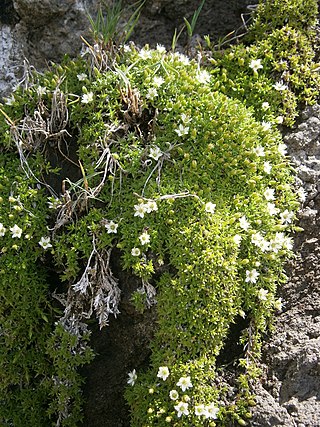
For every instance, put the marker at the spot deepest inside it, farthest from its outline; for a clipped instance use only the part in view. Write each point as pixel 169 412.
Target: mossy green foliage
pixel 25 314
pixel 288 75
pixel 275 14
pixel 191 186
pixel 191 176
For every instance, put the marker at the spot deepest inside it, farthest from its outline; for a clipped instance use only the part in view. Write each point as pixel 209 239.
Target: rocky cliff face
pixel 290 392
pixel 35 32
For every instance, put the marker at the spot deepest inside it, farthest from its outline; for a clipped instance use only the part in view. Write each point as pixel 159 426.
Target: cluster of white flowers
pixel 142 208
pixel 182 407
pixel 208 411
pixel 280 241
pixel 16 233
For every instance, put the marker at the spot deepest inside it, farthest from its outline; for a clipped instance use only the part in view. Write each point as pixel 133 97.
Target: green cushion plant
pixel 182 170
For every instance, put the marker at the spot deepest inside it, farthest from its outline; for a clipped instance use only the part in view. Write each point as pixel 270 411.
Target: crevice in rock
pixel 8 15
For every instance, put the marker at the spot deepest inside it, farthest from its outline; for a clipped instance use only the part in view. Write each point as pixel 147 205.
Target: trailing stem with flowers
pixel 141 153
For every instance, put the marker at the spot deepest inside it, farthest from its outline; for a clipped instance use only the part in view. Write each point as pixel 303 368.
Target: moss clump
pixel 276 67
pixel 171 173
pixel 275 14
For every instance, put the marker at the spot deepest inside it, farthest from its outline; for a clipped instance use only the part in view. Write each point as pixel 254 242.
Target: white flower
pixel 269 194
pixel 144 238
pixel 203 77
pixel 244 224
pixel 182 130
pixel 255 64
pixel 161 49
pixel 87 97
pixel 272 210
pixel 286 217
pixel 200 410
pixel 265 106
pixel 135 252
pixel 41 90
pixel 280 86
pixel 287 243
pixel 151 206
pixel 282 149
pixel 264 246
pixel 126 48
pixel 81 77
pixel 184 383
pixel 152 93
pixel 302 194
pixel 16 231
pixel 211 411
pixel 145 54
pixel 10 100
pixel 182 58
pixel 263 294
pixel 257 238
pixel 155 152
pixel 210 207
pixel 45 242
pixel 182 409
pixel 259 151
pixel 163 372
pixel 174 395
pixel 279 120
pixel 158 81
pixel 252 276
pixel 112 227
pixel 12 199
pixel 54 203
pixel 132 377
pixel 140 210
pixel 278 304
pixel 266 125
pixel 2 230
pixel 275 244
pixel 237 239
pixel 185 119
pixel 267 167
